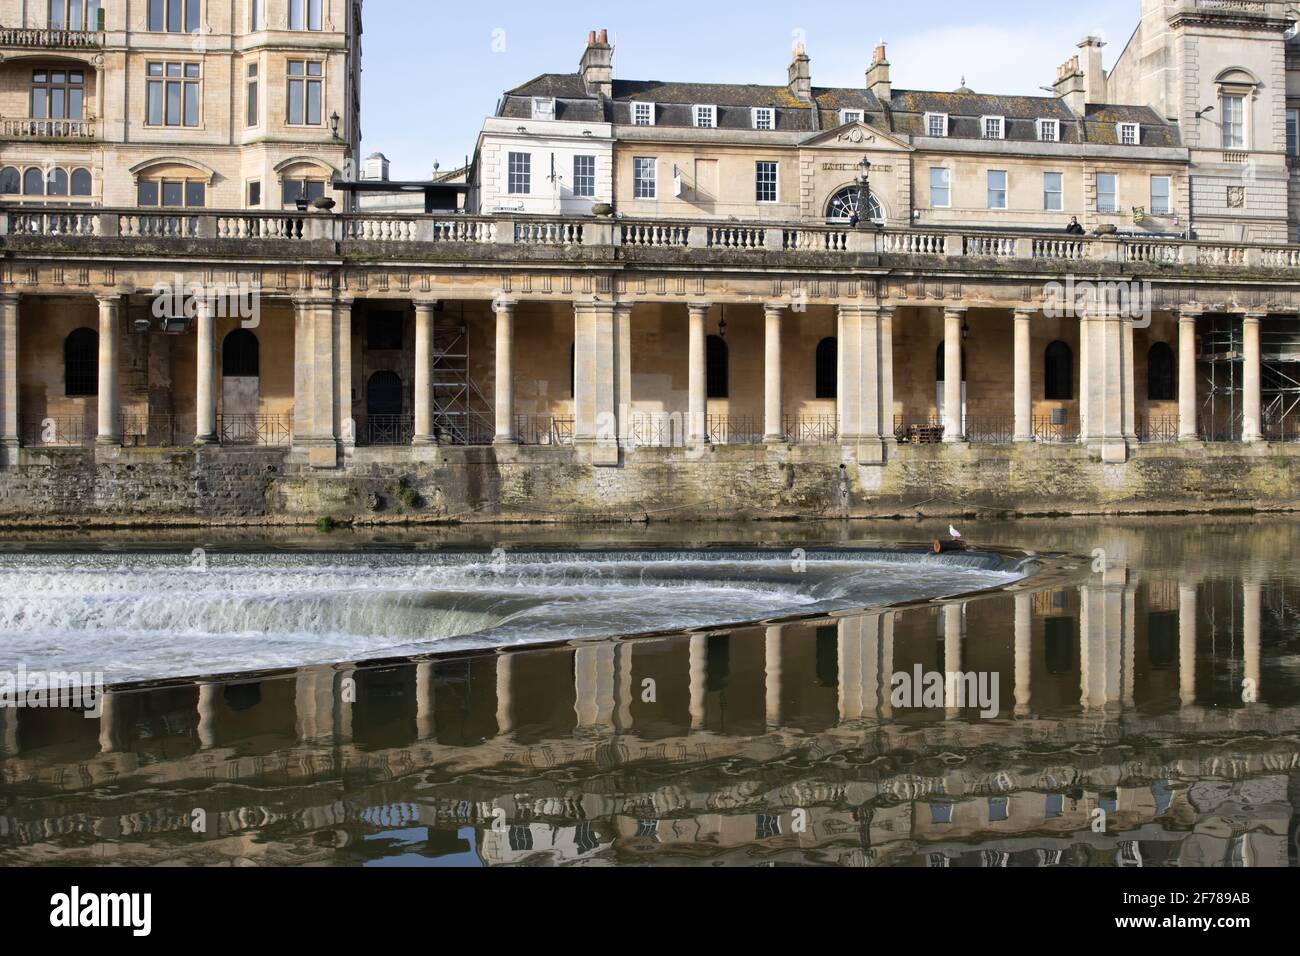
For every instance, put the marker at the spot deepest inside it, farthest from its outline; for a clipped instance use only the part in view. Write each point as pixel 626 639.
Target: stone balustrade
pixel 33 39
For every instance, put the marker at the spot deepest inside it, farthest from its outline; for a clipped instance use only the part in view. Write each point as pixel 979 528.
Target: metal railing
pixel 463 428
pixel 1159 430
pixel 255 429
pixel 995 430
pixel 734 430
pixel 812 430
pixel 156 430
pixel 1053 430
pixel 389 429
pixel 58 432
pixel 544 430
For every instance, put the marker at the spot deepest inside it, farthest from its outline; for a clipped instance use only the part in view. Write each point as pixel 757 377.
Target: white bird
pixel 956 535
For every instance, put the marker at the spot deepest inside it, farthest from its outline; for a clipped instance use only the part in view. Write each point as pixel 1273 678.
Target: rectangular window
pixel 1053 192
pixel 79 15
pixel 1293 132
pixel 936 124
pixel 302 190
pixel 644 177
pixel 850 116
pixel 993 127
pixel 643 114
pixel 305 92
pixel 765 189
pixel 543 108
pixel 172 94
pixel 1049 130
pixel 1161 195
pixel 1130 134
pixel 305 15
pixel 174 16
pixel 584 176
pixel 706 117
pixel 172 193
pixel 1107 193
pixel 256 16
pixel 997 189
pixel 58 94
pixel 1234 122
pixel 255 193
pixel 251 107
pixel 519 174
pixel 940 187
pixel 764 118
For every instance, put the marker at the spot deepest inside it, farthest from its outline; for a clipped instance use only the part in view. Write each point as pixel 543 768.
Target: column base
pixel 774 440
pixel 424 440
pixel 870 451
pixel 108 441
pixel 9 452
pixel 206 440
pixel 1114 451
pixel 1024 440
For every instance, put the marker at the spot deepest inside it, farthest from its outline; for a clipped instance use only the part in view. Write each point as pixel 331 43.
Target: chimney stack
pixel 1069 86
pixel 597 66
pixel 878 75
pixel 801 76
pixel 1094 74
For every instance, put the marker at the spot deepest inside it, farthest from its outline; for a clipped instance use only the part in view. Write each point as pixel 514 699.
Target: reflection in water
pixel 1147 715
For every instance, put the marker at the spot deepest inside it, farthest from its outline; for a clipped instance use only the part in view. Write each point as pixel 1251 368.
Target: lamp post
pixel 864 190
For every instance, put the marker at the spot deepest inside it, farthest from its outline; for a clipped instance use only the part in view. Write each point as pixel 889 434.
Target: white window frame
pixel 699 112
pixel 1059 192
pixel 643 114
pixel 760 113
pixel 652 179
pixel 1001 122
pixel 1049 124
pixel 543 107
pixel 591 159
pixel 526 173
pixel 845 114
pixel 1168 209
pixel 1228 141
pixel 775 182
pixel 1130 134
pixel 946 187
pixel 1005 189
pixel 1103 210
pixel 929 130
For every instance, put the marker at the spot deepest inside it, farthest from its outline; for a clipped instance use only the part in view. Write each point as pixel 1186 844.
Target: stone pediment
pixel 855 136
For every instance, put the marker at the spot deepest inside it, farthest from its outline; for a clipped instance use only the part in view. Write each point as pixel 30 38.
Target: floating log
pixel 943 547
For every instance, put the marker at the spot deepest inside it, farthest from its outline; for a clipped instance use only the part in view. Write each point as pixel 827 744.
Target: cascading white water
pixel 141 616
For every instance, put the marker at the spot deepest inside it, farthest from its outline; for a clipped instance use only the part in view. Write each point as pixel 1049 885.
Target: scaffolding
pixel 462 414
pixel 1222 354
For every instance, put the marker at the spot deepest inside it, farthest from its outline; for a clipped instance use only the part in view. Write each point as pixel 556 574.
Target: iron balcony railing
pixel 255 429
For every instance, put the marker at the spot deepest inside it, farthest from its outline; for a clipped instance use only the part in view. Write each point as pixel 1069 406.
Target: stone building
pixel 778 300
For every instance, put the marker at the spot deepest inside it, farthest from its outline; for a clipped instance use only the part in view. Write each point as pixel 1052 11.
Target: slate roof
pixel 904 113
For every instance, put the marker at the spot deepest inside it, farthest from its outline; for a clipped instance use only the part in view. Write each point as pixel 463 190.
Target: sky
pixel 432 72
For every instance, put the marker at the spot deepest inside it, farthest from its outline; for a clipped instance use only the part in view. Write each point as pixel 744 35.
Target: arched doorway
pixel 241 387
pixel 844 206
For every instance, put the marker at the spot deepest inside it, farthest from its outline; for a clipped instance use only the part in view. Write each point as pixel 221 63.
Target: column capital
pixel 623 308
pixel 778 307
pixel 958 311
pixel 1024 313
pixel 110 298
pixel 888 311
pixel 593 305
pixel 699 307
pixel 1255 317
pixel 9 298
pixel 429 304
pixel 501 305
pixel 1190 314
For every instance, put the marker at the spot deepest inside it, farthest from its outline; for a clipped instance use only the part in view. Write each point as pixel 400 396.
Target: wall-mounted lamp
pixel 722 323
pixel 965 330
pixel 1202 112
pixel 334 123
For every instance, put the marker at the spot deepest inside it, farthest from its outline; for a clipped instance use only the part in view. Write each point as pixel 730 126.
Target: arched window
pixel 33 182
pixel 844 206
pixel 827 368
pixel 717 368
pixel 81 363
pixel 81 182
pixel 240 355
pixel 1058 373
pixel 384 394
pixel 940 366
pixel 57 182
pixel 1160 373
pixel 11 181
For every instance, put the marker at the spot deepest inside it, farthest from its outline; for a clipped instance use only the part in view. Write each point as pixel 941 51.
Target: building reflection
pixel 778 743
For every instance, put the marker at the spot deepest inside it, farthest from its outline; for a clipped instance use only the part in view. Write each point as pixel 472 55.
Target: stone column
pixel 9 746
pixel 859 392
pixel 595 381
pixel 1024 638
pixel 316 397
pixel 207 727
pixel 699 677
pixel 109 739
pixel 887 665
pixel 1250 633
pixel 426 315
pixel 1187 375
pixel 623 687
pixel 345 426
pixel 313 704
pixel 773 395
pixel 425 724
pixel 697 401
pixel 10 424
pixel 110 415
pixel 1252 427
pixel 345 699
pixel 772 675
pixel 887 373
pixel 850 650
pixel 1085 377
pixel 1129 397
pixel 1106 394
pixel 205 386
pixel 623 370
pixel 1023 376
pixel 954 429
pixel 505 373
pixel 1187 644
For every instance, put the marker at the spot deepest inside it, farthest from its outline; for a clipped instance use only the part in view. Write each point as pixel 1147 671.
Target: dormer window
pixel 1130 134
pixel 643 114
pixel 1049 131
pixel 994 127
pixel 936 125
pixel 850 116
pixel 706 117
pixel 543 107
pixel 764 117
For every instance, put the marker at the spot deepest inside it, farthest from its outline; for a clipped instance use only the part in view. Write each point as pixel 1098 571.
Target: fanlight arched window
pixel 1058 373
pixel 717 367
pixel 81 363
pixel 384 394
pixel 11 181
pixel 827 368
pixel 1160 373
pixel 82 185
pixel 240 355
pixel 57 182
pixel 844 206
pixel 33 182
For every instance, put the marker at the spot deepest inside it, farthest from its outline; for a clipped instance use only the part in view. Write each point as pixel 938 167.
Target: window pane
pixel 313 102
pixel 57 20
pixel 81 182
pixel 156 15
pixel 295 102
pixel 314 189
pixel 191 15
pixel 147 193
pixel 191 104
pixel 33 183
pixel 155 104
pixel 195 195
pixel 57 184
pixel 173 104
pixel 174 11
pixel 10 181
pixel 173 193
pixel 252 104
pixel 58 104
pixel 314 68
pixel 76 102
pixel 295 14
pixel 314 20
pixel 40 103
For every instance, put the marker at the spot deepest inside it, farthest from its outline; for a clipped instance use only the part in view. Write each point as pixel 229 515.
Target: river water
pixel 809 694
